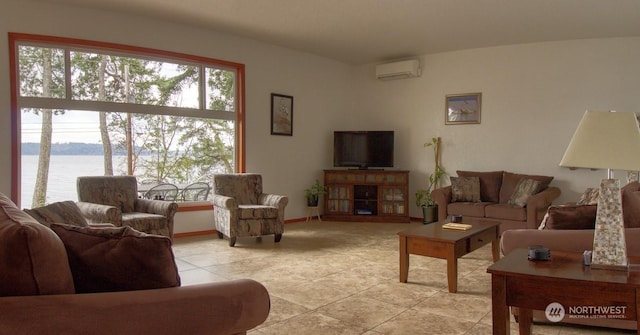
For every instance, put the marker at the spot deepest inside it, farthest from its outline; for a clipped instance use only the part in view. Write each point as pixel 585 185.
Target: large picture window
pixel 90 108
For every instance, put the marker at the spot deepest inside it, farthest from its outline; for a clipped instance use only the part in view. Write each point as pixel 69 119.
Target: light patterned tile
pixel 414 321
pixel 312 323
pixel 342 278
pixel 361 311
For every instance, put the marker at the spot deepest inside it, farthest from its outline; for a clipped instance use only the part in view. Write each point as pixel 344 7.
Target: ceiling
pixel 365 31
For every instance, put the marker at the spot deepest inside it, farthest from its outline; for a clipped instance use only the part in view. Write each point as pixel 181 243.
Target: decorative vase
pixel 429 214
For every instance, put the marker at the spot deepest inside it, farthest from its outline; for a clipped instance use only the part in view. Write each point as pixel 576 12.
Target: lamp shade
pixel 605 140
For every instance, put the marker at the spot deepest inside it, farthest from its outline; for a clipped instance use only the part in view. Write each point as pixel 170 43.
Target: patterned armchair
pixel 240 208
pixel 114 199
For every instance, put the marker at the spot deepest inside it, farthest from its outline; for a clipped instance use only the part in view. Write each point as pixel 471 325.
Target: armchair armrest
pixel 222 201
pixel 442 197
pixel 279 201
pixel 537 205
pixel 160 207
pixel 229 307
pixel 97 213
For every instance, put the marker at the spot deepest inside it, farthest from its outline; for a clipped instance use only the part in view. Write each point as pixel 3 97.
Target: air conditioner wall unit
pixel 398 70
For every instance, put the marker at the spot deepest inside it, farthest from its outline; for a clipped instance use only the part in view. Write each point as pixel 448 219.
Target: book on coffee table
pixel 456 226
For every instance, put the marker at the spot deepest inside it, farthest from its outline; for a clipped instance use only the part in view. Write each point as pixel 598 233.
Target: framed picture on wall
pixel 281 114
pixel 463 108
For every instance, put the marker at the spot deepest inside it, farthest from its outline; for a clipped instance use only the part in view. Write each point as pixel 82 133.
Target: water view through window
pixel 166 149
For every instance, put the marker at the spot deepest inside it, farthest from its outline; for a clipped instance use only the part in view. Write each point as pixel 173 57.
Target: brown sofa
pixel 496 189
pixel 41 272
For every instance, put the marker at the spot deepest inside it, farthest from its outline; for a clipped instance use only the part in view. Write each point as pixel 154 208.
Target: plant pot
pixel 429 214
pixel 312 201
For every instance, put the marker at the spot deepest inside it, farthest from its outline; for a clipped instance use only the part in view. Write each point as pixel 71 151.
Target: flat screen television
pixel 363 149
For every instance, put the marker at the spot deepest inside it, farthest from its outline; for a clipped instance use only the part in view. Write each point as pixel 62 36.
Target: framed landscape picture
pixel 281 114
pixel 463 108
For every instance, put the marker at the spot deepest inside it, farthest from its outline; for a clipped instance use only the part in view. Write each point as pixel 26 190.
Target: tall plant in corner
pixel 423 196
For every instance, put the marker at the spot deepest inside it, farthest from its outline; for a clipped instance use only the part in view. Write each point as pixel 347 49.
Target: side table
pixel 562 287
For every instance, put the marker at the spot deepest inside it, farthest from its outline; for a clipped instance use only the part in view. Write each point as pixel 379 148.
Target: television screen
pixel 363 149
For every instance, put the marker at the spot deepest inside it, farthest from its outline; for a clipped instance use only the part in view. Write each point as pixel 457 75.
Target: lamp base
pixel 609 244
pixel 610 267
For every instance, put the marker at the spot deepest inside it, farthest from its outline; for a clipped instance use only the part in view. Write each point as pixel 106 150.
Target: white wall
pixel 321 87
pixel 533 97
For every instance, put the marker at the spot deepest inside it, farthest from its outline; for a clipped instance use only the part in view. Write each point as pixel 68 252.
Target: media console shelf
pixel 366 195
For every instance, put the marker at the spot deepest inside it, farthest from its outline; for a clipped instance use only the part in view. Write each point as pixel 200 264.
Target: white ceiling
pixel 364 31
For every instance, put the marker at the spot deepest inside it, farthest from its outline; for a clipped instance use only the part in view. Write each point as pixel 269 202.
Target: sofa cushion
pixel 465 189
pixel 510 181
pixel 506 212
pixel 490 183
pixel 570 217
pixel 589 197
pixel 475 209
pixel 524 189
pixel 58 212
pixel 32 258
pixel 257 212
pixel 117 259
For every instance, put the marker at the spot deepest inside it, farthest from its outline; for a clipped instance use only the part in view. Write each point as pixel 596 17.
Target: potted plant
pixel 423 196
pixel 312 194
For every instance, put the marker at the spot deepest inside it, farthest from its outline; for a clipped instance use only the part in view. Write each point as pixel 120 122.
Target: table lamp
pixel 607 140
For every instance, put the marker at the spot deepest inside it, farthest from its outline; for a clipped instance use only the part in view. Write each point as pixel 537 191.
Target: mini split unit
pixel 398 70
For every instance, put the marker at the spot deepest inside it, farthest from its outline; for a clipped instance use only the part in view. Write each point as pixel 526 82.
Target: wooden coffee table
pixel 434 241
pixel 528 285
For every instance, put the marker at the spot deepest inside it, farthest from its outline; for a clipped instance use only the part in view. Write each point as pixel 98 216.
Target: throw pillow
pixel 117 259
pixel 524 189
pixel 510 181
pixel 465 189
pixel 570 217
pixel 543 223
pixel 32 258
pixel 589 197
pixel 58 212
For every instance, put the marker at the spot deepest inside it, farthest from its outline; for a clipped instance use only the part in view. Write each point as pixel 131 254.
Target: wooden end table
pixel 562 281
pixel 434 241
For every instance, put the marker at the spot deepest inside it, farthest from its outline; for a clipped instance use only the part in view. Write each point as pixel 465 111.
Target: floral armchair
pixel 114 199
pixel 240 208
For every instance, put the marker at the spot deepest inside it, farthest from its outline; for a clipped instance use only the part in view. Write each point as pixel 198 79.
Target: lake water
pixel 63 172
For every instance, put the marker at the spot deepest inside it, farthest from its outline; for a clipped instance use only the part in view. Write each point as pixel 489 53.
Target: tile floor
pixel 342 278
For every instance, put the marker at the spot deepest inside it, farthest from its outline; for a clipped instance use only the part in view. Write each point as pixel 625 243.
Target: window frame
pixel 16 39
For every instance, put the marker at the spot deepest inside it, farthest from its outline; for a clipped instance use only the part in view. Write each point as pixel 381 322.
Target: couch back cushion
pixel 510 181
pixel 118 259
pixel 490 183
pixel 117 191
pixel 33 260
